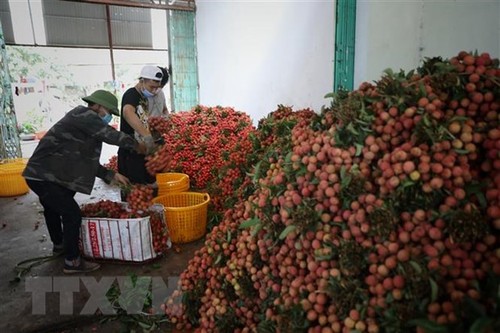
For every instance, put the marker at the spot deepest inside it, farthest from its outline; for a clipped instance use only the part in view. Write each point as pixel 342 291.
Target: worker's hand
pixel 141 148
pixel 150 144
pixel 121 179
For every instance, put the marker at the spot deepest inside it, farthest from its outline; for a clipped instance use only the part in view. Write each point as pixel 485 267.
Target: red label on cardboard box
pixel 94 241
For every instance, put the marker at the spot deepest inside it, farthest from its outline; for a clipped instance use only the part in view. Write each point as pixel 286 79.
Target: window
pixel 82 24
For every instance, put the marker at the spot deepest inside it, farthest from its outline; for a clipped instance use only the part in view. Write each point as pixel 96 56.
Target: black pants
pixel 133 166
pixel 62 213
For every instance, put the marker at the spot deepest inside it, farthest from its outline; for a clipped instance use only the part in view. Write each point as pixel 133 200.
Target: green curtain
pixel 345 36
pixel 183 60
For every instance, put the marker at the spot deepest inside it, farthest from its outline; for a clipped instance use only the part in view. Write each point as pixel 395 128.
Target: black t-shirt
pixel 131 164
pixel 134 98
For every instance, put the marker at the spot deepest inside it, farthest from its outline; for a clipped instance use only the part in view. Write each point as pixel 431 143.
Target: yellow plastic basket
pixel 186 215
pixel 11 181
pixel 172 182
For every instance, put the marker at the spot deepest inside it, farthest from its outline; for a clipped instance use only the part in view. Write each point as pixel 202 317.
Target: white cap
pixel 152 73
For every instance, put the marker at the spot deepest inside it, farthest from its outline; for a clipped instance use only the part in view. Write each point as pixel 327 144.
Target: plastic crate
pixel 186 215
pixel 172 182
pixel 12 183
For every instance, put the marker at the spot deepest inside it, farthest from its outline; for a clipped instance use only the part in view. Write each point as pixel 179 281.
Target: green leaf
pixel 477 189
pixel 416 267
pixel 428 325
pixel 426 121
pixel 474 307
pixel 256 172
pixel 359 149
pixel 286 231
pixel 430 134
pixel 422 89
pixel 256 230
pixel 388 71
pixel 324 257
pixel 458 118
pixel 434 290
pixel 345 178
pixel 475 284
pixel 482 199
pixel 351 129
pixel 461 151
pixel 407 183
pixel 144 325
pixel 249 223
pixel 480 325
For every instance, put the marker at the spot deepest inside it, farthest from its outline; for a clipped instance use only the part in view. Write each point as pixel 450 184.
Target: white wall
pixel 399 34
pixel 254 55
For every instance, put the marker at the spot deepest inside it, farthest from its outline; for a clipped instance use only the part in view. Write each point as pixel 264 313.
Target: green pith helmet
pixel 104 98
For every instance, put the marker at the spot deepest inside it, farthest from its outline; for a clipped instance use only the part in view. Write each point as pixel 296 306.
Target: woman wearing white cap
pixel 157 104
pixel 134 121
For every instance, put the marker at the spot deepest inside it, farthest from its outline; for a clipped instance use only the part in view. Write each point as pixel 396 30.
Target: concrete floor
pixel 23 235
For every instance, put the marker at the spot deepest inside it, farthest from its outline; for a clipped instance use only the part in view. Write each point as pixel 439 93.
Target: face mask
pixel 147 93
pixel 107 118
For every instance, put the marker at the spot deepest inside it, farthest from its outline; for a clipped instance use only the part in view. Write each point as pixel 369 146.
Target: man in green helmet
pixel 66 161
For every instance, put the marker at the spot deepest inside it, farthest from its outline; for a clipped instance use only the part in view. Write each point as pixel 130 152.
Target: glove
pixel 157 137
pixel 150 144
pixel 155 134
pixel 160 141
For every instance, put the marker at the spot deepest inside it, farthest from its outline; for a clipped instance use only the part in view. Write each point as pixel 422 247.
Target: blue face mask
pixel 146 93
pixel 107 118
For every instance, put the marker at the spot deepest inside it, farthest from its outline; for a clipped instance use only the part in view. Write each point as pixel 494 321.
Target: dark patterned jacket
pixel 69 153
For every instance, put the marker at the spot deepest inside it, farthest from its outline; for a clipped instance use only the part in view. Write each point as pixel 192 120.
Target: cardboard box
pixel 120 239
